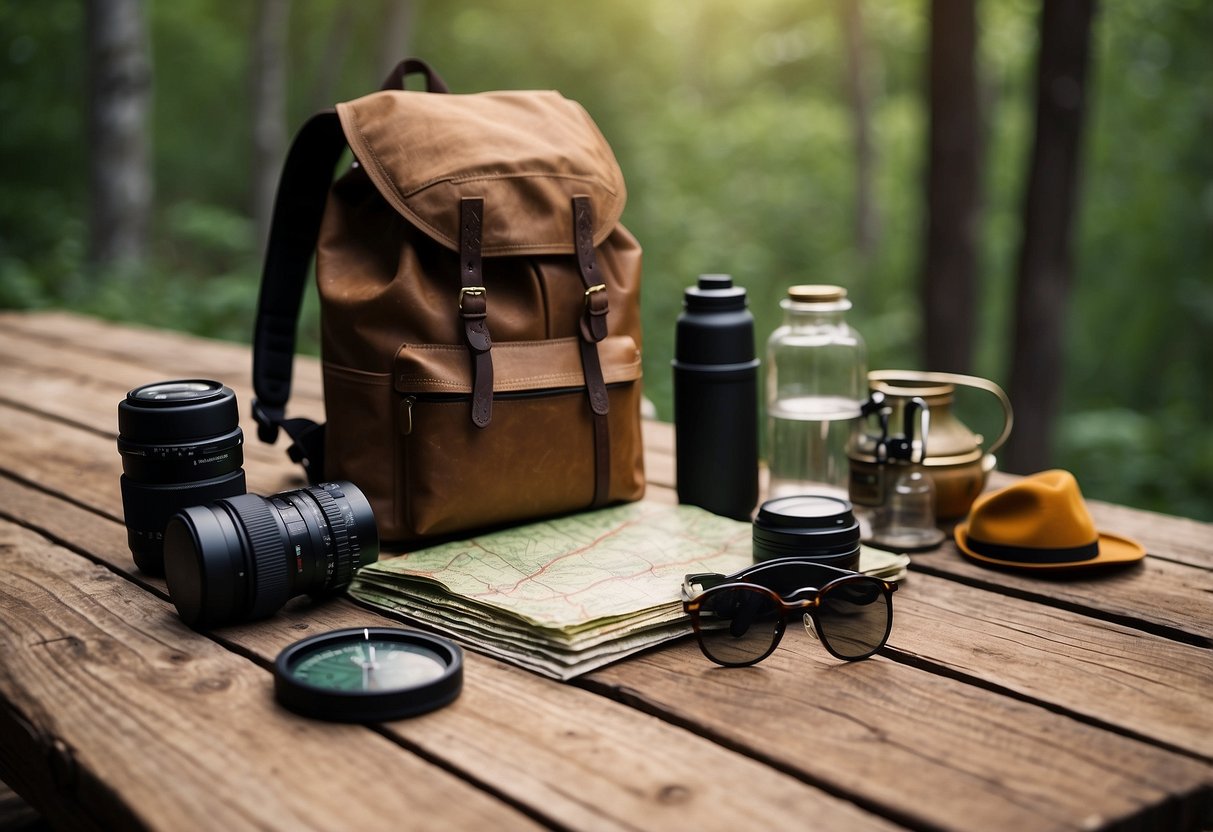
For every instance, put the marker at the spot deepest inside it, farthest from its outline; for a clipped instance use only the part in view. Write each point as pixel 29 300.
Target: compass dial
pixel 377 664
pixel 368 674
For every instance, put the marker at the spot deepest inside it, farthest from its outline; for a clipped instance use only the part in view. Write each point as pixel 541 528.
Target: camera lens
pixel 807 526
pixel 243 557
pixel 181 445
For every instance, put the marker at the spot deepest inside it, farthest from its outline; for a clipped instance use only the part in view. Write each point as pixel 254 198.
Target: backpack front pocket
pixel 536 457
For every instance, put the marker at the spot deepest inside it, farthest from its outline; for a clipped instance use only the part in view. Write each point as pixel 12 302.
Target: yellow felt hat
pixel 1040 522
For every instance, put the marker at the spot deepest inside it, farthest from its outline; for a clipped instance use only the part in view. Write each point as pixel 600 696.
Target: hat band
pixel 1032 554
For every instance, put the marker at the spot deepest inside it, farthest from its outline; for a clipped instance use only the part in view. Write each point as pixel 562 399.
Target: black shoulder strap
pixel 298 209
pixel 303 189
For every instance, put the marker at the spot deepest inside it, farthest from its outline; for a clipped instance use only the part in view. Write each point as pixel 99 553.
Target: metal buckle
pixel 600 287
pixel 470 290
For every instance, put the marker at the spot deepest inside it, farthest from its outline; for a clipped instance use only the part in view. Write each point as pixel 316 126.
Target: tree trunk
pixel 948 280
pixel 396 35
pixel 119 102
pixel 268 98
pixel 867 226
pixel 1045 268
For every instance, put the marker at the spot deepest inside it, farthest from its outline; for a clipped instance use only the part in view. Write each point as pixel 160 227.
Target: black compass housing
pixel 380 704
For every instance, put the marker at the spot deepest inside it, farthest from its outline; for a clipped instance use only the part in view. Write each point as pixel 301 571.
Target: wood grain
pixel 1157 595
pixel 806 673
pixel 170 354
pixel 1166 598
pixel 581 760
pixel 1137 683
pixel 924 748
pixel 992 715
pixel 94 664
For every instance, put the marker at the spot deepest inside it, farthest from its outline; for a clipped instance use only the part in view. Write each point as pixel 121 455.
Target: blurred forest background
pixel 781 141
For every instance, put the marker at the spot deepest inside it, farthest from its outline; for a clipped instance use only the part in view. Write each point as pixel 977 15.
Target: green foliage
pixel 732 127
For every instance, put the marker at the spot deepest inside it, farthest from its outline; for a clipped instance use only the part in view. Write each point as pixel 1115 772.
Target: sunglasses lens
pixel 854 618
pixel 737 625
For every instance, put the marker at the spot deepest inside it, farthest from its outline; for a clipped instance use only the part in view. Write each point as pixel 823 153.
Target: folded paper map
pixel 565 596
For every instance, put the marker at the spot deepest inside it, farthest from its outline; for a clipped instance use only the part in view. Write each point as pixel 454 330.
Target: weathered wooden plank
pixel 142 721
pixel 1166 598
pixel 925 748
pixel 171 354
pixel 1157 595
pixel 818 680
pixel 1173 538
pixel 1039 589
pixel 1142 684
pixel 529 738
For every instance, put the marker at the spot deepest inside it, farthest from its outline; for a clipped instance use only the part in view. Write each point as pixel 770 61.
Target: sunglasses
pixel 740 619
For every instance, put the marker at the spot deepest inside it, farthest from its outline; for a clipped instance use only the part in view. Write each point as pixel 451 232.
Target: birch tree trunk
pixel 1045 268
pixel 119 105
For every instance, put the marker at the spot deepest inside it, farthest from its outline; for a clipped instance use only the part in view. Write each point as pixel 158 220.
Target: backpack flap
pixel 526 154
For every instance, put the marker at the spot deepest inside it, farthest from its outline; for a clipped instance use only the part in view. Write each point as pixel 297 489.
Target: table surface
pixel 1002 701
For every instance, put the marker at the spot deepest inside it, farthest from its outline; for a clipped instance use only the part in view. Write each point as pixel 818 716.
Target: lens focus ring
pixel 343 555
pixel 270 582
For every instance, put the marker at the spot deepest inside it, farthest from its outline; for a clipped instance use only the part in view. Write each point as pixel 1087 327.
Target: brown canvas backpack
pixel 480 320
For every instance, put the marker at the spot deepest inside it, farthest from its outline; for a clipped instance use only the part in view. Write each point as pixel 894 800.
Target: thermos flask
pixel 716 399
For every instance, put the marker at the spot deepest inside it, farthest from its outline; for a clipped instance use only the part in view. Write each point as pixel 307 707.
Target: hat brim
pixel 1112 549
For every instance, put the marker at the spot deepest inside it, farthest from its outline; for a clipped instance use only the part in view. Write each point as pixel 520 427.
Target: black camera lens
pixel 181 445
pixel 243 557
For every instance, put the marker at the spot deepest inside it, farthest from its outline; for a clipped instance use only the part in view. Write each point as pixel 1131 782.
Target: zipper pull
pixel 406 414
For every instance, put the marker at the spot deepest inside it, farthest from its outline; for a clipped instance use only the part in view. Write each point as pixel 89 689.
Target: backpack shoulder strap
pixel 294 230
pixel 303 190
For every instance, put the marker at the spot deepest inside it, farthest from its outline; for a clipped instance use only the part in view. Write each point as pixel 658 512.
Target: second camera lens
pixel 243 557
pixel 181 445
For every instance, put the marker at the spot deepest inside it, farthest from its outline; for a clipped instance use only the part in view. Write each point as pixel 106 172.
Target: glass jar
pixel 816 384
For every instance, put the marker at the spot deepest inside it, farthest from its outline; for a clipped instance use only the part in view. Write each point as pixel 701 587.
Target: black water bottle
pixel 716 399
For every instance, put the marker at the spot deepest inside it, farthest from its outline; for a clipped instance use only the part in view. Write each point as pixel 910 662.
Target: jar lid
pixel 816 293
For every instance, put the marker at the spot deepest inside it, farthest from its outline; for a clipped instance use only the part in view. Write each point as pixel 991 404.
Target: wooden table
pixel 1002 702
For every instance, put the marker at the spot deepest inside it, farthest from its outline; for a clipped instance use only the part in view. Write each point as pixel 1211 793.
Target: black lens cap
pixel 807 525
pixel 179 409
pixel 806 511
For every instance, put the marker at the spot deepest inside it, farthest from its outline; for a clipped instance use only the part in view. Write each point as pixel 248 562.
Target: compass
pixel 368 674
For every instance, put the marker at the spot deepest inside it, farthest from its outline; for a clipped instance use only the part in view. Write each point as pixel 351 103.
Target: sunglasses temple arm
pixel 699 582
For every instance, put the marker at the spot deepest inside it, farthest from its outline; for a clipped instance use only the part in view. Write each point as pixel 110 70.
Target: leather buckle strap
pixel 471 291
pixel 593 322
pixel 593 329
pixel 473 309
pixel 599 407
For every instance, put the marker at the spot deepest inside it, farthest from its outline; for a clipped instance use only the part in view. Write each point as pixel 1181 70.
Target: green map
pixel 566 595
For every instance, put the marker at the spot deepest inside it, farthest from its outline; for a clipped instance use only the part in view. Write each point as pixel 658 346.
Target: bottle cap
pixel 715 330
pixel 714 293
pixel 817 293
